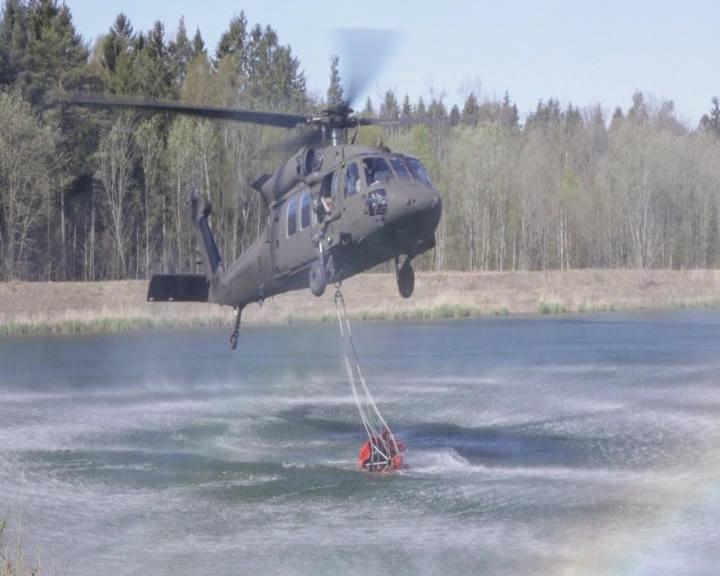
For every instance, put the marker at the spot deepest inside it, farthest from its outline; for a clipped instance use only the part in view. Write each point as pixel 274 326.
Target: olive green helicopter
pixel 334 209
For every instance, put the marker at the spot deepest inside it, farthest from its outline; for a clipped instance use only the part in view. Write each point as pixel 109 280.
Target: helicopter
pixel 335 208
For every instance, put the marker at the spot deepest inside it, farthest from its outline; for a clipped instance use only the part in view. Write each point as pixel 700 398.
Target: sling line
pixel 380 436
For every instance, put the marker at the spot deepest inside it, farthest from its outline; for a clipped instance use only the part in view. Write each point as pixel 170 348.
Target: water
pixel 578 445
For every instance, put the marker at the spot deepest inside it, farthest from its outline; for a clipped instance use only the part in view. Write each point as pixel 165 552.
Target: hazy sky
pixel 579 52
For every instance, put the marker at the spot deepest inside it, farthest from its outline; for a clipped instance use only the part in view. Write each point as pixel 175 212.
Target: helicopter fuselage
pixel 352 207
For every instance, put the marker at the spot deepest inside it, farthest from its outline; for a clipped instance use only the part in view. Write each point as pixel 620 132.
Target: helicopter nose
pixel 416 199
pixel 421 206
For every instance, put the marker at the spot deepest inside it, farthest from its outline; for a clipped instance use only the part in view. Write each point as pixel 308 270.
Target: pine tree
pixel 335 90
pixel 13 40
pixel 369 110
pixel 198 44
pixel 454 115
pixel 390 109
pixel 638 112
pixel 711 121
pixel 573 118
pixel 509 112
pixel 181 52
pixel 234 40
pixel 407 109
pixel 617 118
pixel 545 115
pixel 117 55
pixel 46 53
pixel 437 111
pixel 154 66
pixel 420 109
pixel 272 74
pixel 471 110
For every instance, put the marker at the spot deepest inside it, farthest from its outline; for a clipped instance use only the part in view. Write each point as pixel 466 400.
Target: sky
pixel 580 52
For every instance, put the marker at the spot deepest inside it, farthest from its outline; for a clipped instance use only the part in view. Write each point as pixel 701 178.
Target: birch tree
pixel 116 158
pixel 27 150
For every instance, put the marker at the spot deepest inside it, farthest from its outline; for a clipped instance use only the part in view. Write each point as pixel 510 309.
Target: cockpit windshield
pixel 400 168
pixel 418 170
pixel 376 170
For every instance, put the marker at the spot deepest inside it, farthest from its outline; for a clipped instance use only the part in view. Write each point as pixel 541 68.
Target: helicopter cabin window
pixel 400 168
pixel 418 171
pixel 305 210
pixel 352 179
pixel 292 216
pixel 376 170
pixel 335 184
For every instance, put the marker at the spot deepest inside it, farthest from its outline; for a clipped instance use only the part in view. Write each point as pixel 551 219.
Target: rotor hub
pixel 337 117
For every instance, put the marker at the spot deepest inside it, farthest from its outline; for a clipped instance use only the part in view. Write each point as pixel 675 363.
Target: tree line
pixel 90 195
pixel 572 189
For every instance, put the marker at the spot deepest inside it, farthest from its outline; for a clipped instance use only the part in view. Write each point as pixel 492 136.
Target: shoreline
pixel 45 308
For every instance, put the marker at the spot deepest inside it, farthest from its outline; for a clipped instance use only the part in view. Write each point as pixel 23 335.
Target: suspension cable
pixel 373 422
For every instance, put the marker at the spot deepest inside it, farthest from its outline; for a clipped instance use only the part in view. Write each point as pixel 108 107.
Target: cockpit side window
pixel 292 216
pixel 400 168
pixel 305 210
pixel 325 186
pixel 376 170
pixel 418 171
pixel 352 178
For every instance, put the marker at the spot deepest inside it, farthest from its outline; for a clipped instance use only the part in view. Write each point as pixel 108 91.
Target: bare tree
pixel 151 148
pixel 26 164
pixel 116 159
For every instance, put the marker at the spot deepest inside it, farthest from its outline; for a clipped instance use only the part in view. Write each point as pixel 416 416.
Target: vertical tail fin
pixel 192 287
pixel 212 262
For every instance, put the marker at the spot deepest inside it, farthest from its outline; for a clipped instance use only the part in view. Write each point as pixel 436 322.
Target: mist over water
pixel 571 445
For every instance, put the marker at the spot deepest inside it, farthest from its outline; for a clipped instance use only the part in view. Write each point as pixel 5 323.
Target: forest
pixel 94 195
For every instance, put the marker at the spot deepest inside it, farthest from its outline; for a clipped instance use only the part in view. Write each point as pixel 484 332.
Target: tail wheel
pixel 406 280
pixel 318 278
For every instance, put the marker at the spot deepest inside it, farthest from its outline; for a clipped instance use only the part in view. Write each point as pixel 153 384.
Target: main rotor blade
pixel 399 122
pixel 293 143
pixel 381 122
pixel 363 52
pixel 404 122
pixel 234 114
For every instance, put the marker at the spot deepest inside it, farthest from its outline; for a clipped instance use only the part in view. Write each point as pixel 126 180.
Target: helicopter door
pixel 354 210
pixel 283 235
pixel 305 250
pixel 292 234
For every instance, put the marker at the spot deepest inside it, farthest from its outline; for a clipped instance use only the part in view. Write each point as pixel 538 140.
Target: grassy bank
pixel 73 308
pixel 12 558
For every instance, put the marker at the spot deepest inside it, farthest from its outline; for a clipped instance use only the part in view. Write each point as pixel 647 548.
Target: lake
pixel 565 445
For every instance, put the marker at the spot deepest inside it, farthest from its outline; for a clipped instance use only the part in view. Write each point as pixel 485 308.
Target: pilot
pixel 328 205
pixel 369 175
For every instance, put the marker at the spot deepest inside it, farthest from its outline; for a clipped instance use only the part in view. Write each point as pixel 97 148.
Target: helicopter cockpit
pixel 418 170
pixel 380 169
pixel 377 170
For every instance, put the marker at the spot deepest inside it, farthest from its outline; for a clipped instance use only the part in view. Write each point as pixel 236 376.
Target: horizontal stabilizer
pixel 178 288
pixel 259 186
pixel 260 182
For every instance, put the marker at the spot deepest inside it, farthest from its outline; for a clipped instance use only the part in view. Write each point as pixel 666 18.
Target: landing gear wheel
pixel 406 280
pixel 318 278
